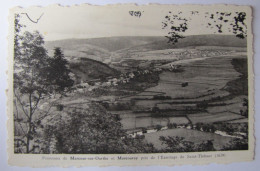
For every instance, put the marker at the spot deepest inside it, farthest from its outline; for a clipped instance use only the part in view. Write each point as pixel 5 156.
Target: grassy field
pixel 189 135
pixel 211 118
pixel 131 120
pixel 202 76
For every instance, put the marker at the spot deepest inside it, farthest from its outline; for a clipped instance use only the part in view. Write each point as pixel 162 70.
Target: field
pixel 209 98
pixel 189 135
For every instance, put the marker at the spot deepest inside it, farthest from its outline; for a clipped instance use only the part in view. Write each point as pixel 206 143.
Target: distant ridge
pixel 112 44
pixel 106 43
pixel 196 40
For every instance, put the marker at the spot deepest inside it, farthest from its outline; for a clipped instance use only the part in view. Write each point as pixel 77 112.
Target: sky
pixel 86 21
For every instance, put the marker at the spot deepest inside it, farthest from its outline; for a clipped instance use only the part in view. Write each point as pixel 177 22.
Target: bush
pixel 179 144
pixel 172 125
pixel 237 144
pixel 158 127
pixel 160 97
pixel 202 105
pixel 144 130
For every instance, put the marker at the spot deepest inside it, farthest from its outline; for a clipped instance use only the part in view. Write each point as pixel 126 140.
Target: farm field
pixel 206 79
pixel 202 76
pixel 189 135
pixel 211 118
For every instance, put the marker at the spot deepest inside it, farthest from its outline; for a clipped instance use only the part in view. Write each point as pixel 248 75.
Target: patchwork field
pixel 189 135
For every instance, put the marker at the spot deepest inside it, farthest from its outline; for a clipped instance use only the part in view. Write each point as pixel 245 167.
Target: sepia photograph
pixel 130 80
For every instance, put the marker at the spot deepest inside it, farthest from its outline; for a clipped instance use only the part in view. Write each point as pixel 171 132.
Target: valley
pixel 159 89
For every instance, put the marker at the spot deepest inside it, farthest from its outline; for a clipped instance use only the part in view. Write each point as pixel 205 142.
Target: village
pixel 157 68
pixel 113 82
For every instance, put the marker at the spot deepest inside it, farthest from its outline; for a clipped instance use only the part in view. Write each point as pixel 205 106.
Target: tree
pixel 90 130
pixel 17 37
pixel 32 83
pixel 206 146
pixel 59 73
pixel 245 104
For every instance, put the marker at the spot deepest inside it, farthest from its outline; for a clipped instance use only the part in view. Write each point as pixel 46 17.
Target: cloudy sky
pixel 87 21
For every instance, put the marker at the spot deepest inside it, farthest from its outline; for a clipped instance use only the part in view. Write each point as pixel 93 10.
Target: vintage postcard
pixel 124 85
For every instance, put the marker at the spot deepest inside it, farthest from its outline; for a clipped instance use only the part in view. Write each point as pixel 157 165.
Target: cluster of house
pixel 186 126
pixel 110 81
pixel 203 53
pixel 197 52
pixel 152 130
pixel 175 68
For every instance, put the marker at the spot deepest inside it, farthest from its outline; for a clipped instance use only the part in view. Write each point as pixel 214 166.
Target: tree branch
pixel 47 112
pixel 37 102
pixel 19 100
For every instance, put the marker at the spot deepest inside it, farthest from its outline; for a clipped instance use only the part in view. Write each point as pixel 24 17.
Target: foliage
pixel 30 80
pixel 158 127
pixel 172 125
pixel 92 131
pixel 120 106
pixel 238 86
pixel 237 144
pixel 33 81
pixel 59 71
pixel 205 127
pixel 161 97
pixel 179 144
pixel 17 37
pixel 245 104
pixel 206 146
pixel 232 128
pixel 202 105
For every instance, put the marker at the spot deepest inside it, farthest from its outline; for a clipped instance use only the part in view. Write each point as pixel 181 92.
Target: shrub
pixel 158 127
pixel 172 125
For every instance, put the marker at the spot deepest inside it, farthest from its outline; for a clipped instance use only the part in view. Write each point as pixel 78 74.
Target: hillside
pixel 102 49
pixel 109 44
pixel 88 69
pixel 196 40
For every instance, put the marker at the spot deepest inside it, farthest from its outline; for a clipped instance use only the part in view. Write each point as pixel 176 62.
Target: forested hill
pixel 88 69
